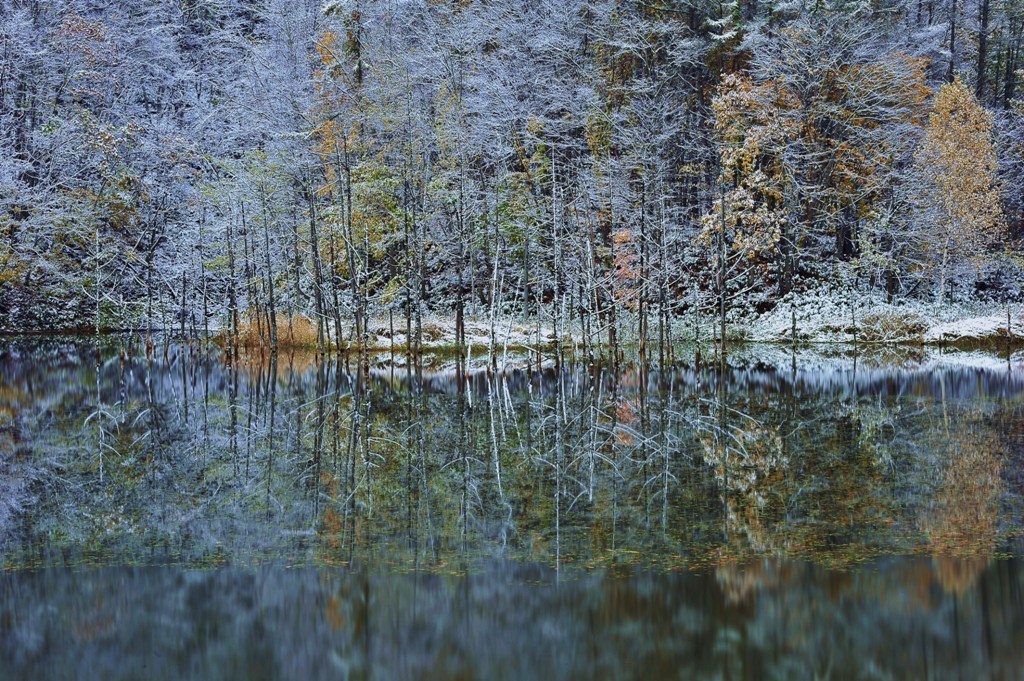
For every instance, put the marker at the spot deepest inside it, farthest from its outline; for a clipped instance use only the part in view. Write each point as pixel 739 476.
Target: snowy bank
pixel 832 316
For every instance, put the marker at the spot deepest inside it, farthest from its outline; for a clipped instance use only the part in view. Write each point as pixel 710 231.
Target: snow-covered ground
pixel 439 332
pixel 830 316
pixel 825 316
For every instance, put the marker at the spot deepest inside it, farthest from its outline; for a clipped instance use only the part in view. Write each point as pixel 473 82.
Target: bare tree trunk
pixel 318 281
pixel 183 297
pixel 232 299
pixel 721 282
pixel 272 310
pixel 983 17
pixel 202 283
pixel 297 295
pixel 950 75
pixel 249 247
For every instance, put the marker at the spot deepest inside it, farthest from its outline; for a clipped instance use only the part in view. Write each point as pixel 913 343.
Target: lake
pixel 817 515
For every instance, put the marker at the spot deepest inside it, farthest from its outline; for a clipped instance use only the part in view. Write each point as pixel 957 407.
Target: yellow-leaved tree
pixel 958 163
pixel 753 131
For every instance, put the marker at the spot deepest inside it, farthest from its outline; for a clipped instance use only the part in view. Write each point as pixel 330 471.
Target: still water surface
pixel 180 517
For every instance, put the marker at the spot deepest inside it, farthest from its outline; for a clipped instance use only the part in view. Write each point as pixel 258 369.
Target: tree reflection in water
pixel 300 518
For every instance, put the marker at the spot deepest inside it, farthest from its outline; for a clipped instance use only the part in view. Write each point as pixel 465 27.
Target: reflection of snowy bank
pixel 831 357
pixel 754 369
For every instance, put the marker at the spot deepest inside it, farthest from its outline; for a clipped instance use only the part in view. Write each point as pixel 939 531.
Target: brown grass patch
pixel 890 327
pixel 431 332
pixel 293 331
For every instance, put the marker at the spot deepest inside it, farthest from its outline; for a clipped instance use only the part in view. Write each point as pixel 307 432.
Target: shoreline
pixel 993 340
pixel 897 328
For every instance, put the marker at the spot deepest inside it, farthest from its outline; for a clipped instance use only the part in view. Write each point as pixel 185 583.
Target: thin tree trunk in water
pixel 350 249
pixel 940 294
pixel 613 337
pixel 202 282
pixel 559 267
pixel 232 299
pixel 609 272
pixel 495 293
pixel 792 312
pixel 642 322
pixel 422 285
pixel 721 282
pixel 459 315
pixel 421 272
pixel 364 304
pixel 249 247
pixel 272 311
pixel 407 263
pixel 663 328
pixel 318 283
pixel 460 303
pixel 296 305
pixel 526 281
pixel 96 275
pixel 149 304
pixel 335 302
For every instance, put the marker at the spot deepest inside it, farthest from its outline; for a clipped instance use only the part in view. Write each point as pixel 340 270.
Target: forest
pixel 306 172
pixel 305 307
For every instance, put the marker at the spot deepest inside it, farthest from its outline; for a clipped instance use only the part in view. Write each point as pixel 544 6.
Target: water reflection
pixel 770 619
pixel 777 521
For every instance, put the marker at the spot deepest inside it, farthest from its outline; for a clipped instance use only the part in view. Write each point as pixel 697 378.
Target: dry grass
pixel 293 331
pixel 432 332
pixel 891 327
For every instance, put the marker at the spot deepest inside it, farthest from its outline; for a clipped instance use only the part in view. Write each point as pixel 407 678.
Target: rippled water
pixel 800 517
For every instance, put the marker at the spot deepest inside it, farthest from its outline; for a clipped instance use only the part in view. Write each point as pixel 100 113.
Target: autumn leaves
pixel 824 142
pixel 959 164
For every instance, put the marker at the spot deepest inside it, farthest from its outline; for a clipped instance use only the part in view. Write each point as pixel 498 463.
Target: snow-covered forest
pixel 604 167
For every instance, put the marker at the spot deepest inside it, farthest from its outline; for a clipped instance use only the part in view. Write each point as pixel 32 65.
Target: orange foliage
pixel 807 143
pixel 748 116
pixel 293 331
pixel 627 276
